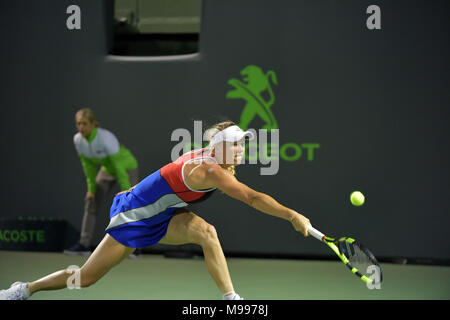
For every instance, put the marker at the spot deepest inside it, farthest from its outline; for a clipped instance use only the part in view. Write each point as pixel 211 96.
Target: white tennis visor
pixel 230 134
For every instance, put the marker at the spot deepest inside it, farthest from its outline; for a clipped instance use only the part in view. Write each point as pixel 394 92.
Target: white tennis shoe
pixel 17 291
pixel 231 296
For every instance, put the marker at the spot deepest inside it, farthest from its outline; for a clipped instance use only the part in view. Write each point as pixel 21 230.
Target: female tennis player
pixel 99 147
pixel 154 211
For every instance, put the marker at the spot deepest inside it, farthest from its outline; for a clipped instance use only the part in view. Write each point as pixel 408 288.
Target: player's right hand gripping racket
pixel 354 255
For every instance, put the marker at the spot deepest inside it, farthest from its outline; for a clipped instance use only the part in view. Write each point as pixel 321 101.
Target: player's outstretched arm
pixel 232 187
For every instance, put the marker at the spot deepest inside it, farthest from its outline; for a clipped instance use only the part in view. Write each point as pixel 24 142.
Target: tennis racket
pixel 354 255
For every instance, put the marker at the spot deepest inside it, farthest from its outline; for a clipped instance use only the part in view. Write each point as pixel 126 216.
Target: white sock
pixel 231 295
pixel 26 291
pixel 23 287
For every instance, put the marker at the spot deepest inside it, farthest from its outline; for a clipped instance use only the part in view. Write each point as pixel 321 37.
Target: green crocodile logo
pixel 254 83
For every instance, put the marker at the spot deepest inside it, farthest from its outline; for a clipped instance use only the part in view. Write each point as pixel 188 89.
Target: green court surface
pixel 154 277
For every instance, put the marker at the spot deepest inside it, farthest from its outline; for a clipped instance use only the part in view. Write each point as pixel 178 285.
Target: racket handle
pixel 315 233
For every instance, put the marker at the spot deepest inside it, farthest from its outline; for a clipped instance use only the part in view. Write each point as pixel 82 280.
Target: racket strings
pixel 359 257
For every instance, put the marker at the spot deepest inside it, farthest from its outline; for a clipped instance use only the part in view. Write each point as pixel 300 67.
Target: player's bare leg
pixel 186 227
pixel 107 254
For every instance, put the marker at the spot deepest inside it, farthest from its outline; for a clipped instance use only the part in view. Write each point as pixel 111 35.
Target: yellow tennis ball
pixel 357 198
